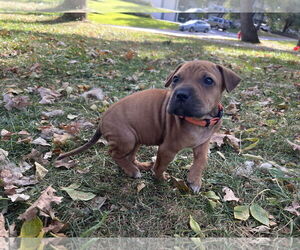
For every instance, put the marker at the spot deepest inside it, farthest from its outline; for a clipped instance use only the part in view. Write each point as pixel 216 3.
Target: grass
pixel 131 20
pixel 159 210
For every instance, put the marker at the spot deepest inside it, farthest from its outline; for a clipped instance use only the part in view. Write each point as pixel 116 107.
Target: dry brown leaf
pixel 42 205
pixel 37 156
pixel 66 163
pixel 17 102
pixel 293 208
pixel 295 146
pixel 180 184
pixel 75 127
pixel 219 139
pixel 260 229
pixel 95 93
pixel 55 226
pixel 140 186
pixel 48 96
pixel 40 141
pixel 18 197
pixel 229 195
pixel 129 55
pixel 48 131
pixel 53 113
pixel 61 139
pixel 40 171
pixel 3 231
pixel 5 134
pixel 97 202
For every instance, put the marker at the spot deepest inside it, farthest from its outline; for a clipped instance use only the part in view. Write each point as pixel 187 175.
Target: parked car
pixel 219 23
pixel 265 27
pixel 195 10
pixel 195 25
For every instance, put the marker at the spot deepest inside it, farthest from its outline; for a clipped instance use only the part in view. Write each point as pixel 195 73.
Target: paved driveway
pixel 213 34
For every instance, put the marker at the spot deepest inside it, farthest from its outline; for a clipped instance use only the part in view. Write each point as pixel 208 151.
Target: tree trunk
pixel 73 6
pixel 248 30
pixel 288 23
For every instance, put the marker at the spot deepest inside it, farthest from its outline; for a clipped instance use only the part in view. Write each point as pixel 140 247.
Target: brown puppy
pixel 186 115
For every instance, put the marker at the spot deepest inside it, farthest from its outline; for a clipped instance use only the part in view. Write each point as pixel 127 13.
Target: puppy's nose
pixel 182 95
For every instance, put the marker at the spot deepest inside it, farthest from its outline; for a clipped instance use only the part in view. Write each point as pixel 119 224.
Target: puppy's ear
pixel 230 79
pixel 170 77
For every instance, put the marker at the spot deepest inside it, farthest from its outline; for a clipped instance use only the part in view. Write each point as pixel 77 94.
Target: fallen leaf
pixel 17 102
pixel 40 141
pixel 47 155
pixel 260 229
pixel 32 228
pixel 211 195
pixel 76 126
pixel 48 96
pixel 180 184
pixel 5 134
pixel 241 212
pixel 78 195
pixel 18 197
pixel 129 55
pixel 253 157
pixel 251 146
pixel 96 93
pixel 294 145
pixel 259 214
pixel 40 171
pixel 245 170
pixel 293 208
pixel 61 139
pixel 53 113
pixel 219 139
pixel 195 227
pixel 36 156
pixel 42 205
pixel 3 154
pixel 72 117
pixel 229 195
pixel 55 226
pixel 140 186
pixel 66 163
pixel 97 202
pixel 3 231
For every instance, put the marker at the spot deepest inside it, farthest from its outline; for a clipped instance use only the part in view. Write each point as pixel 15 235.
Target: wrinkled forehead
pixel 198 68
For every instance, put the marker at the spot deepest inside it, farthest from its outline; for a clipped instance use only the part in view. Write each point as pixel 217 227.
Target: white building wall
pixel 165 4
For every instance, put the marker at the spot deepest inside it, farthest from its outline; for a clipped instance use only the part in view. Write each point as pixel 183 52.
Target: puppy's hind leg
pixel 122 150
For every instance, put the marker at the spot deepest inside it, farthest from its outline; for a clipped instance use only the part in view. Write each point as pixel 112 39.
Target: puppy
pixel 184 116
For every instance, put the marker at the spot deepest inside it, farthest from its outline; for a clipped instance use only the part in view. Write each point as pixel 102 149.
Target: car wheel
pixel 191 29
pixel 205 31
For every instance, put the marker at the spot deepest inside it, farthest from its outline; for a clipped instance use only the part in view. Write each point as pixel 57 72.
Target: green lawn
pixel 74 57
pixel 131 21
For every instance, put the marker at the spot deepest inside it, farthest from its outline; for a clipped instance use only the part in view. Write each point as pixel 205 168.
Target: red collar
pixel 206 122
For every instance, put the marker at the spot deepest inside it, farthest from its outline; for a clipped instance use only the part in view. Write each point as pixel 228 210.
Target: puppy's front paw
pixel 195 188
pixel 162 177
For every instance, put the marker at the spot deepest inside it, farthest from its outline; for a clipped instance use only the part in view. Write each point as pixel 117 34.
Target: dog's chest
pixel 195 136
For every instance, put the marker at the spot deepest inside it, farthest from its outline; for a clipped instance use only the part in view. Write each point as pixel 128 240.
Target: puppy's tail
pixel 84 147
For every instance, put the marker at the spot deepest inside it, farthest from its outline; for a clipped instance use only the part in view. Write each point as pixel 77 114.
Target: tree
pixel 248 30
pixel 77 10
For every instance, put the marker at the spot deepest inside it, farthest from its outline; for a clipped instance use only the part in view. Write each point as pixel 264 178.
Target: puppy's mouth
pixel 184 103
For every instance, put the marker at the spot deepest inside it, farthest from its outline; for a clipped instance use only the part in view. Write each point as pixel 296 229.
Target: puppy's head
pixel 197 86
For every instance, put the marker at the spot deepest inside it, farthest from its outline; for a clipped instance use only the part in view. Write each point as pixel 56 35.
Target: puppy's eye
pixel 176 79
pixel 208 81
